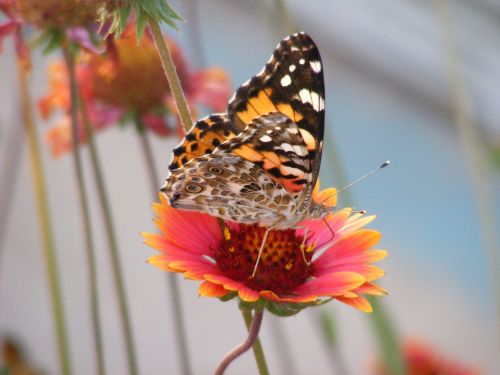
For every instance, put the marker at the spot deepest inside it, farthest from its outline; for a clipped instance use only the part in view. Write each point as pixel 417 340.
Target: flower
pixel 289 276
pixel 422 359
pixel 57 19
pixel 128 82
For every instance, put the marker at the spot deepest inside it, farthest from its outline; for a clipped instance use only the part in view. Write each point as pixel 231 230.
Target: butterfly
pixel 259 162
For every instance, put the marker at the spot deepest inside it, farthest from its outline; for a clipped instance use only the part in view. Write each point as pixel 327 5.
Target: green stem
pixel 112 244
pixel 473 150
pixel 173 285
pixel 172 77
pixel 45 223
pixel 84 208
pixel 173 80
pixel 258 352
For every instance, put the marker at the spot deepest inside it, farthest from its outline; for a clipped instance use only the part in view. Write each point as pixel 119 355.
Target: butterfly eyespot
pixel 207 175
pixel 316 213
pixel 196 179
pixel 181 178
pixel 193 188
pixel 215 170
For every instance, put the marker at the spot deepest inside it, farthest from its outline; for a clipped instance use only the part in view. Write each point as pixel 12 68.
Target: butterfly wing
pixel 256 176
pixel 202 139
pixel 291 83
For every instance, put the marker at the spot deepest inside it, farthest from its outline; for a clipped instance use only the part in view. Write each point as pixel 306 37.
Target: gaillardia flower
pixel 422 359
pixel 292 273
pixel 128 83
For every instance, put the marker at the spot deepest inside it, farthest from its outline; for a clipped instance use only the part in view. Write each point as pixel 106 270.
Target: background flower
pixel 128 83
pixel 423 359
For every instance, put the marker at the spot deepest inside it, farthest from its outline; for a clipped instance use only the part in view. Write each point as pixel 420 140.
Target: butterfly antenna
pixel 383 165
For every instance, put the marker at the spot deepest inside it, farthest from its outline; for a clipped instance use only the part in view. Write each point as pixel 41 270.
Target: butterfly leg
pixel 303 244
pixel 264 240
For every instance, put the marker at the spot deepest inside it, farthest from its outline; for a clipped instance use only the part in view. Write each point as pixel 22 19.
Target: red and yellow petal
pixel 208 289
pixel 359 303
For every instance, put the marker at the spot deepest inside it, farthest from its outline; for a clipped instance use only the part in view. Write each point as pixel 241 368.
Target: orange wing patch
pixel 203 138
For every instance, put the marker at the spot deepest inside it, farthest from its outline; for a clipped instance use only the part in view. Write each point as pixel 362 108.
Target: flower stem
pixel 173 80
pixel 84 208
pixel 257 346
pixel 45 222
pixel 176 303
pixel 253 332
pixel 172 77
pixel 112 244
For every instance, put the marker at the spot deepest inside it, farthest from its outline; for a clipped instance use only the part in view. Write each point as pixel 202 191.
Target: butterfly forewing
pixel 291 83
pixel 259 163
pixel 202 139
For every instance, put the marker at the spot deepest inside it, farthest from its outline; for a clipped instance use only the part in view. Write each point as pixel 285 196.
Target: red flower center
pixel 282 266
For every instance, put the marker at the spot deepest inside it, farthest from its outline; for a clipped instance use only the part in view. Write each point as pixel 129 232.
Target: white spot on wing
pixel 287 147
pixel 299 150
pixel 293 130
pixel 302 61
pixel 316 66
pixel 286 81
pixel 315 100
pixel 305 96
pixel 291 68
pixel 265 138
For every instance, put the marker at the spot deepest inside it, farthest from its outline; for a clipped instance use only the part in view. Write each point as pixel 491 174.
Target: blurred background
pixel 391 94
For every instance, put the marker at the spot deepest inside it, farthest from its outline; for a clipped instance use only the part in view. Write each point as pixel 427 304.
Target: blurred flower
pixel 192 243
pixel 14 360
pixel 128 82
pixel 56 19
pixel 422 359
pixel 60 14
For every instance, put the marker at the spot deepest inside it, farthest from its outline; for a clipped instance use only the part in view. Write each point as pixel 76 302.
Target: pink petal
pixel 211 88
pixel 156 124
pixel 192 231
pixel 349 245
pixel 331 284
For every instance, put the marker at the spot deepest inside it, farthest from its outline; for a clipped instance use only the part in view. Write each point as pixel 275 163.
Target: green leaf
pixel 141 19
pixel 257 305
pixel 55 41
pixel 49 40
pixel 123 15
pixel 228 297
pixel 285 309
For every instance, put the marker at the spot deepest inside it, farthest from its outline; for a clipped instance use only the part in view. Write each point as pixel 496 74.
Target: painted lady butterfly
pixel 259 163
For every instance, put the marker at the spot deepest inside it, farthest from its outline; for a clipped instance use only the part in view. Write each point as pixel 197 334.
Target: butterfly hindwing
pixel 291 83
pixel 275 144
pixel 229 187
pixel 203 137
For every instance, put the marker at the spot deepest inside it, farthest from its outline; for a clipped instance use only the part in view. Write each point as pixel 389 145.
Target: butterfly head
pixel 318 210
